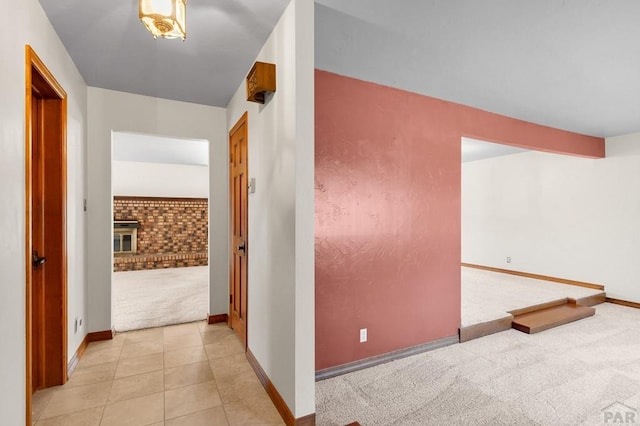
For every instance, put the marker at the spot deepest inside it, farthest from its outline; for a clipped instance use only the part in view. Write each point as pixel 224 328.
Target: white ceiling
pixel 113 50
pixel 570 64
pixel 474 150
pixel 157 149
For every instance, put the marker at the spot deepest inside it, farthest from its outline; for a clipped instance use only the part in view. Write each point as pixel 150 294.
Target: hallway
pixel 189 374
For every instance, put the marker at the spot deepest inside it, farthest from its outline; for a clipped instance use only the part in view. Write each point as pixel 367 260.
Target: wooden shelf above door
pixel 260 80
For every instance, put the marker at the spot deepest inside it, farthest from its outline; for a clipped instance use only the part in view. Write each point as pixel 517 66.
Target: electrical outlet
pixel 363 335
pixel 508 259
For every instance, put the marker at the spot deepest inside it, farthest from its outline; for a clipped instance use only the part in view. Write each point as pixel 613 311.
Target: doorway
pixel 45 234
pixel 239 228
pixel 160 204
pixel 523 213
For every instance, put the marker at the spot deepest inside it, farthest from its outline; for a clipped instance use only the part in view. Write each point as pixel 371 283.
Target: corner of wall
pixel 281 213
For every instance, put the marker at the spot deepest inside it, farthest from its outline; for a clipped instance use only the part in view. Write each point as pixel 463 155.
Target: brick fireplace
pixel 170 232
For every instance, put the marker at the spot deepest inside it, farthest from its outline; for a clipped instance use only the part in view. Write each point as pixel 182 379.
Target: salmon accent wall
pixel 387 184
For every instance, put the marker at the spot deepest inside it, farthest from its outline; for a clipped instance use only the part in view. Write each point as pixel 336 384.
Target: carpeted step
pixel 535 321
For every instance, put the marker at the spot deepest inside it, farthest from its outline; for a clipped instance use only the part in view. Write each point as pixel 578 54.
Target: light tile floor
pixel 189 374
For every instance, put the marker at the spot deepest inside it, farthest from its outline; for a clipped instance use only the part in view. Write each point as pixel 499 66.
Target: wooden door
pixel 239 221
pixel 45 239
pixel 37 244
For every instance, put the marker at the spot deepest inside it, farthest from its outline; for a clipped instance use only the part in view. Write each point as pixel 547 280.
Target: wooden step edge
pixel 581 312
pixel 594 299
pixel 539 307
pixel 589 312
pixel 570 306
pixel 521 327
pixel 486 328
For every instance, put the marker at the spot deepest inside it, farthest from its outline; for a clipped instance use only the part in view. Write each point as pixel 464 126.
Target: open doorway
pixel 160 192
pixel 520 228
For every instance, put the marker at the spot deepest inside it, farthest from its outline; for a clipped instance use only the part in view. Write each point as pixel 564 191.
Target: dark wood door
pixel 239 227
pixel 37 244
pixel 46 231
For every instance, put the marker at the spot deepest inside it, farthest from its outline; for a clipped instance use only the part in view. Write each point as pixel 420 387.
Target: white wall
pixel 124 112
pixel 555 215
pixel 24 22
pixel 281 211
pixel 135 178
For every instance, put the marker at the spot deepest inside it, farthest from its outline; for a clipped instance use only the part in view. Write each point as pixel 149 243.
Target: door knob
pixel 36 260
pixel 241 247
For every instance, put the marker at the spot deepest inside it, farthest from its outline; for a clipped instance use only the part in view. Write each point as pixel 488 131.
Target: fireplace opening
pixel 125 235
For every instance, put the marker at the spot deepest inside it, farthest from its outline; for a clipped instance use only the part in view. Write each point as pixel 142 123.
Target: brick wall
pixel 172 233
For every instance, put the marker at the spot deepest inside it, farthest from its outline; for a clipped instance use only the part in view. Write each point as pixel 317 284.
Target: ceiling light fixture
pixel 164 18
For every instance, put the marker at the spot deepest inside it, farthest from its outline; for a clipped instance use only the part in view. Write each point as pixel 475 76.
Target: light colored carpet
pixel 490 295
pixel 563 376
pixel 159 297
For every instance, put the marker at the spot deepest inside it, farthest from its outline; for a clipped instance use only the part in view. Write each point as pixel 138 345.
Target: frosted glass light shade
pixel 164 18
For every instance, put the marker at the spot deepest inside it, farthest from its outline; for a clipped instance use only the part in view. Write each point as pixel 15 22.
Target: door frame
pixel 242 121
pixel 53 100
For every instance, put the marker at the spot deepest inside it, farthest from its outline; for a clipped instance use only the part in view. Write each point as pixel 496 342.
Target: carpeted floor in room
pixel 159 297
pixel 563 376
pixel 488 295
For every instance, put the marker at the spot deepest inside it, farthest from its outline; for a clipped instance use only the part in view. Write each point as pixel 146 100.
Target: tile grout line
pixel 104 408
pixel 34 421
pixel 120 348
